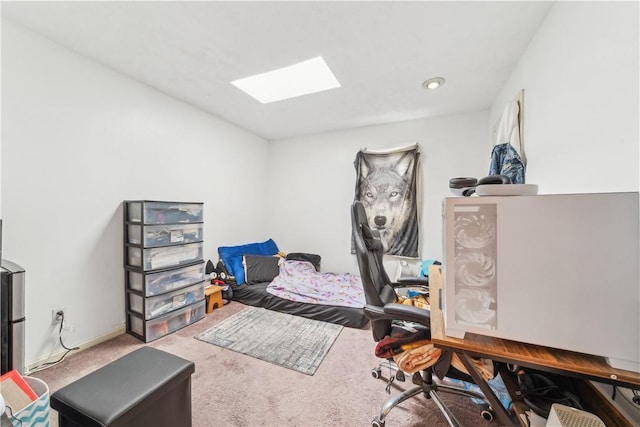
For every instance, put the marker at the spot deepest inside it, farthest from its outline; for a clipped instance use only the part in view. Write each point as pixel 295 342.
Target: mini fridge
pixel 12 318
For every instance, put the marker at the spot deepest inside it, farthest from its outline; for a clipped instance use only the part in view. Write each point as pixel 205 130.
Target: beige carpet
pixel 232 389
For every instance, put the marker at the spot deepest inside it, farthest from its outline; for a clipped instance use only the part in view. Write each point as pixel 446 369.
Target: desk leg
pixel 502 414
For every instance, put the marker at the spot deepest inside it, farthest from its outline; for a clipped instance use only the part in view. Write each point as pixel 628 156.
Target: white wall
pixel 312 182
pixel 580 76
pixel 77 139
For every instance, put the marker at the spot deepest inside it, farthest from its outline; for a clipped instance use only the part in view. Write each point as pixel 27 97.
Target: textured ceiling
pixel 381 52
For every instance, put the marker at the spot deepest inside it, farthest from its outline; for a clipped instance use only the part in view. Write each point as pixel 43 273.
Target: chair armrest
pixel 393 311
pixel 413 281
pixel 373 312
pixel 409 313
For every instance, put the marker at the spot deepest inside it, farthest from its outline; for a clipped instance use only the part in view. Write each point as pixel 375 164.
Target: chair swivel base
pixel 394 372
pixel 430 390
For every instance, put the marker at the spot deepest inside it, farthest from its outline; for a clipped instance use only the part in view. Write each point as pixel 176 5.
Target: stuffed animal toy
pixel 219 276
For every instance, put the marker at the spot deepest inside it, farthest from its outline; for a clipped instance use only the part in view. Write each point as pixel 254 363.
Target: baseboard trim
pixel 81 347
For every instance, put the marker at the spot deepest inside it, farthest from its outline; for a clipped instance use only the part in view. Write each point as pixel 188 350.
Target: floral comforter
pixel 299 281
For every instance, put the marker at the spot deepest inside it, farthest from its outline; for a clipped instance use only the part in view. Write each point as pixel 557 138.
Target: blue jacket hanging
pixel 505 157
pixel 506 161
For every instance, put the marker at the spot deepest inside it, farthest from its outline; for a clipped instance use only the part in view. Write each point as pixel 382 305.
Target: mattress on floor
pixel 257 296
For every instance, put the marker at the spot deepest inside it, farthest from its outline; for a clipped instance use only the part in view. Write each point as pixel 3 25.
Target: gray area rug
pixel 282 339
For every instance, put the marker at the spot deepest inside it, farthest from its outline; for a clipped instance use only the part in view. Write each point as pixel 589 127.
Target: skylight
pixel 303 78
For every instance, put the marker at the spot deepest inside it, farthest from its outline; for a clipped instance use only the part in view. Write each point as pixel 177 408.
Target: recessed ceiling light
pixel 303 78
pixel 433 83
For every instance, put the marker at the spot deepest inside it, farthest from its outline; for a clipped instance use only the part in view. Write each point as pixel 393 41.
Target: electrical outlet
pixel 55 317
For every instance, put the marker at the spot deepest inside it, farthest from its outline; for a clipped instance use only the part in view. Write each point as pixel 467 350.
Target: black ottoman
pixel 145 388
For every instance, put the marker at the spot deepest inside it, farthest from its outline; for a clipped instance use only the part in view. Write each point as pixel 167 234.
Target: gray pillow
pixel 260 268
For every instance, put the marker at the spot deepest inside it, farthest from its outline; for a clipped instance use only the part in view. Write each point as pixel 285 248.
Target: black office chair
pixel 383 309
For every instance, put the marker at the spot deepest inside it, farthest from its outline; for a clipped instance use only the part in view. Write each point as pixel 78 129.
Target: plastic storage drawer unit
pixel 164 266
pixel 151 212
pixel 151 284
pixel 161 304
pixel 153 329
pixel 151 236
pixel 164 257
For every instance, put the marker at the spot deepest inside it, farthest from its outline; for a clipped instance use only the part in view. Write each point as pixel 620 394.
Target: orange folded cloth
pixel 421 354
pixel 417 358
pixel 414 344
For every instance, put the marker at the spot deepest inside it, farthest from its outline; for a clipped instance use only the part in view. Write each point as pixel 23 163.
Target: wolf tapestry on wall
pixel 386 185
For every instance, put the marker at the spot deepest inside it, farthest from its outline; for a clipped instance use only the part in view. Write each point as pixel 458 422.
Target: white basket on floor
pixel 35 414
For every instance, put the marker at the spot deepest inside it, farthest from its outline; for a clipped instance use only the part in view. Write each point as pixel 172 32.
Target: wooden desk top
pixel 543 358
pixel 528 355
